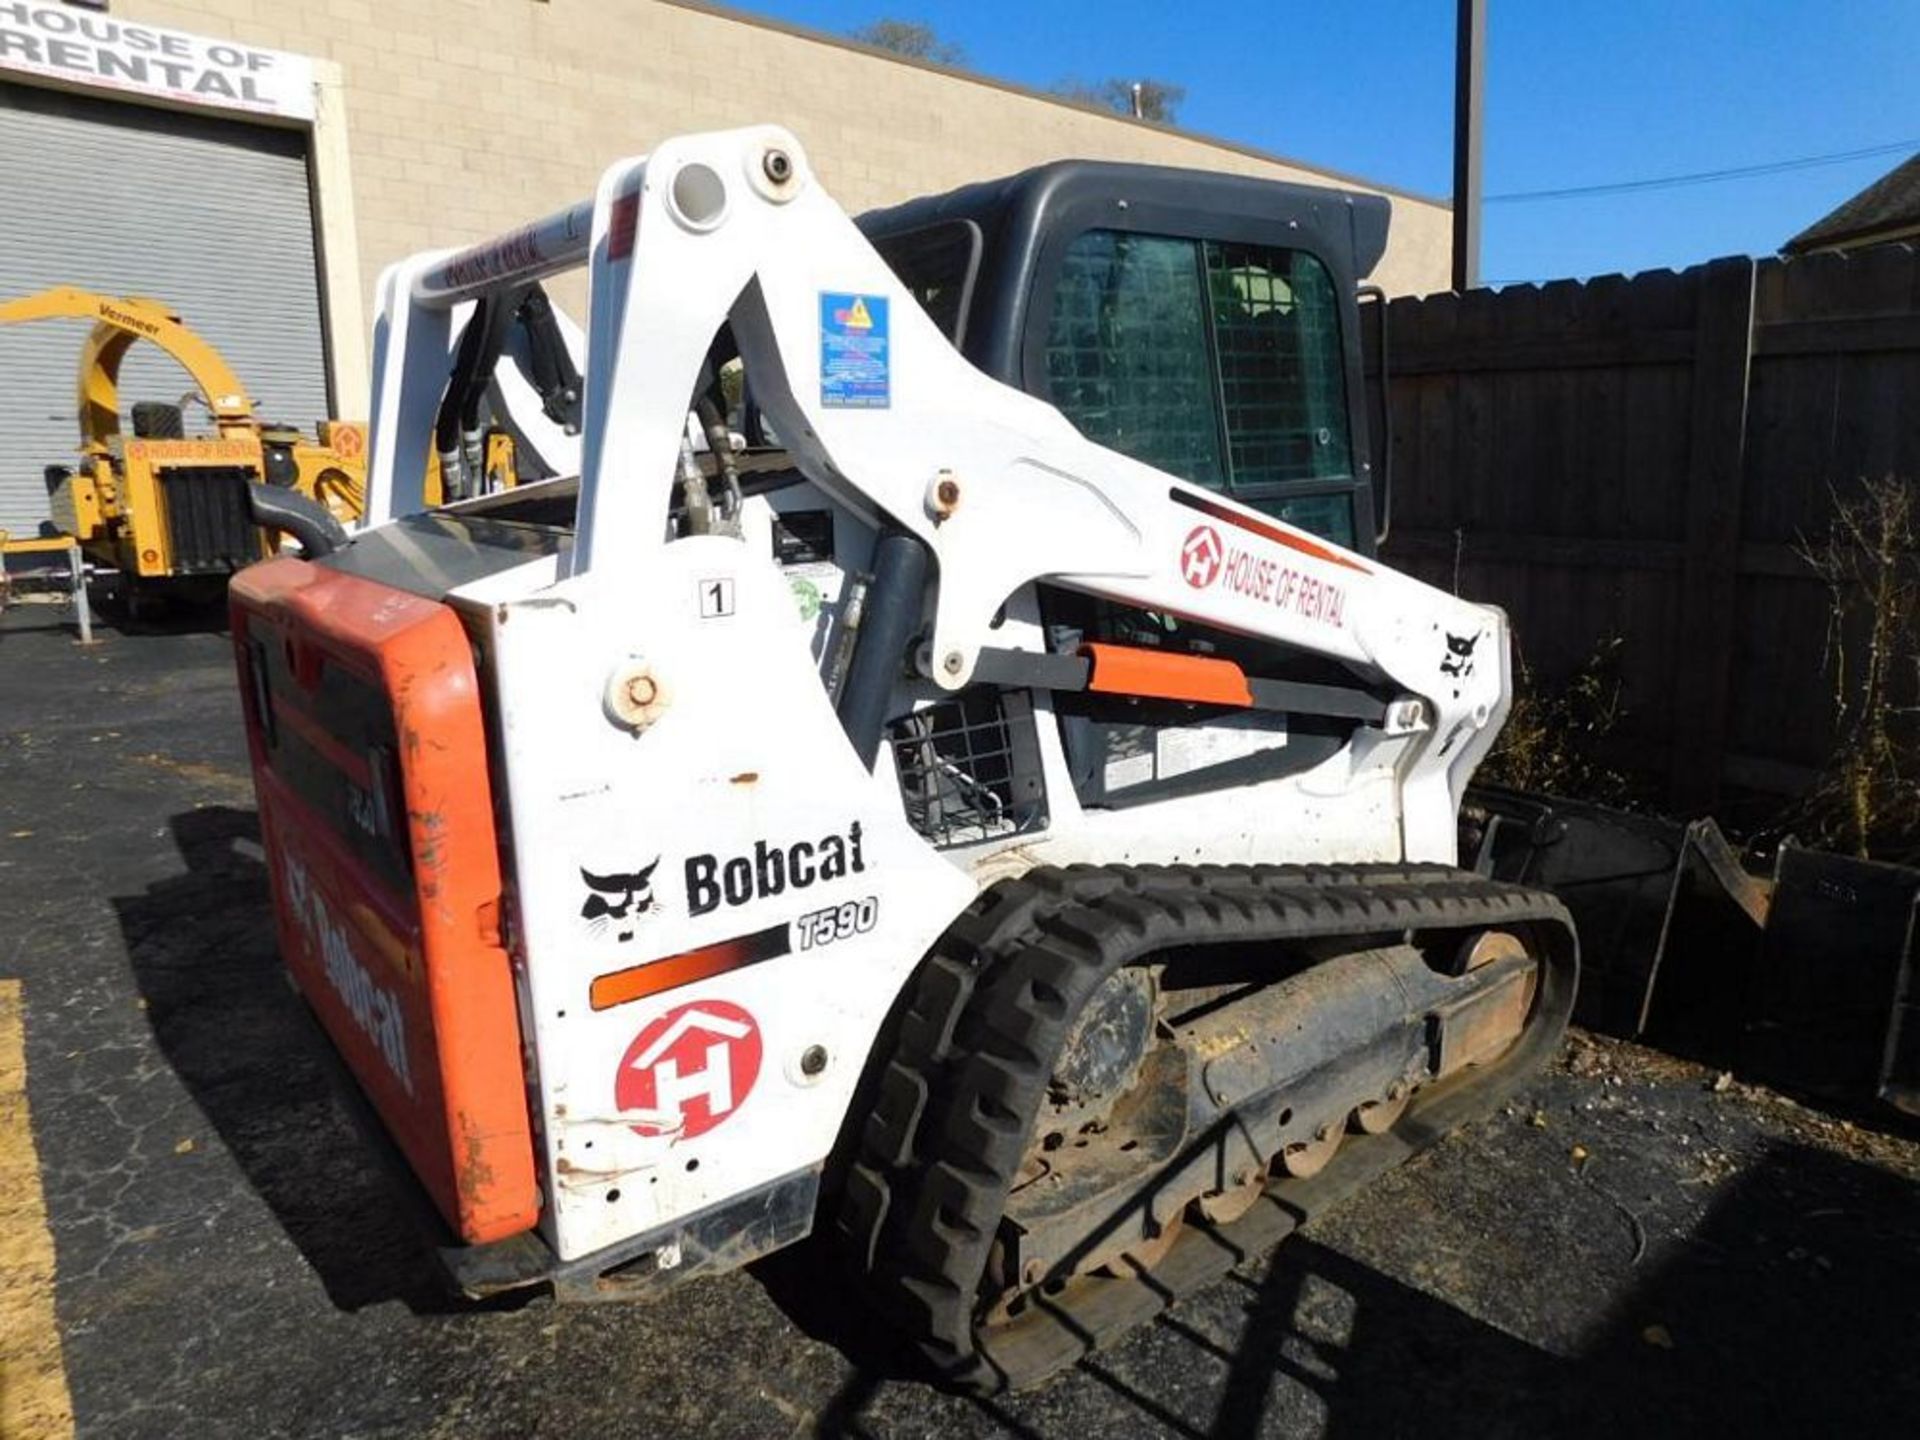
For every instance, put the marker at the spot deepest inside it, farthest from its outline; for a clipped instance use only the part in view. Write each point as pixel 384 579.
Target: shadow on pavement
pixel 1372 1353
pixel 201 620
pixel 1791 1309
pixel 203 956
pixel 188 607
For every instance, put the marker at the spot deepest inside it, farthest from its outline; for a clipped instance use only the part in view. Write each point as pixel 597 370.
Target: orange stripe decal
pixel 1126 670
pixel 639 981
pixel 1267 530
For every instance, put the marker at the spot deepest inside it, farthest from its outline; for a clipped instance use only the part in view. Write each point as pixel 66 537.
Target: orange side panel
pixel 370 762
pixel 1126 670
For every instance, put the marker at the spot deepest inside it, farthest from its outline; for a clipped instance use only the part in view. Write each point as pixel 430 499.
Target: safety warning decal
pixel 688 1070
pixel 855 363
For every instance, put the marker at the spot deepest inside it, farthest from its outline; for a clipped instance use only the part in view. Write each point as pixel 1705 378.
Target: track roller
pixel 1377 1117
pixel 1307 1158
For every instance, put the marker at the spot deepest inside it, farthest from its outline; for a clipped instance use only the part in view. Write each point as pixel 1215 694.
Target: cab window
pixel 937 265
pixel 1218 362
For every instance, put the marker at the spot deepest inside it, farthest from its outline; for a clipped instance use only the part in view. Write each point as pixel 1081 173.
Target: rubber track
pixel 949 1112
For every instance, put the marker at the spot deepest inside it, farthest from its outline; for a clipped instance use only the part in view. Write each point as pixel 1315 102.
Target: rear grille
pixel 208 520
pixel 969 768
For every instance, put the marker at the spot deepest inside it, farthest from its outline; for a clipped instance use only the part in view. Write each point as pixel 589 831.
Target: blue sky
pixel 1579 92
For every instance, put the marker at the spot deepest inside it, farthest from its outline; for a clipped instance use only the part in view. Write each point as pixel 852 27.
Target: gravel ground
pixel 1632 1243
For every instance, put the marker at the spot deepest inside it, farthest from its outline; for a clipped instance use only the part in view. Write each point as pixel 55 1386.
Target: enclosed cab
pixel 1205 324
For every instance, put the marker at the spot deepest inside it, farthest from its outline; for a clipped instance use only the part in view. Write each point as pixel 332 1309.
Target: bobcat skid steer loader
pixel 1025 859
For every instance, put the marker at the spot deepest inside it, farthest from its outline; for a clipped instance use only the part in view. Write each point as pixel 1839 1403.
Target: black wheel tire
pixel 156 420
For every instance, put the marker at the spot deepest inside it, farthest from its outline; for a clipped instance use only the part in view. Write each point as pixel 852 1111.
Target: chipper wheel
pixel 1106 1086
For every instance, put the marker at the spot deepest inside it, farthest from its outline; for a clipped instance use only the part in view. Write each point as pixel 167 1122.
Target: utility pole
pixel 1469 83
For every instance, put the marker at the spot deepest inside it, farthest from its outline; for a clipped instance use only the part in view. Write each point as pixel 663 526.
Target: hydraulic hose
pixel 458 438
pixel 300 516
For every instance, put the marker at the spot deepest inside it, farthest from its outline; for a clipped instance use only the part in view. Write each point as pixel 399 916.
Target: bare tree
pixel 914 39
pixel 1867 799
pixel 1157 100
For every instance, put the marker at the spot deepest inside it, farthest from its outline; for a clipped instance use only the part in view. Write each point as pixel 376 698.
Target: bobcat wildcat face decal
pixel 615 902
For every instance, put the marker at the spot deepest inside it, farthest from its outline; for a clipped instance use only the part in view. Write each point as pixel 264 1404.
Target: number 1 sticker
pixel 716 599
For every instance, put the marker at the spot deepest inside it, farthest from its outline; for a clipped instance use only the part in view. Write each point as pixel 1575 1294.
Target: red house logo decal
pixel 689 1069
pixel 1200 557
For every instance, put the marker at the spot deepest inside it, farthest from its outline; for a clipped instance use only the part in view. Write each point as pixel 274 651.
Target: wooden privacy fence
pixel 1642 458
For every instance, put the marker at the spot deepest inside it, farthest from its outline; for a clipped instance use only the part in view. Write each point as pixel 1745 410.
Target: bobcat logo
pixel 1459 661
pixel 603 913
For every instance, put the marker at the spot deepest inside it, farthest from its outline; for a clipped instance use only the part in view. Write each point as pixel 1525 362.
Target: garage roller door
pixel 212 216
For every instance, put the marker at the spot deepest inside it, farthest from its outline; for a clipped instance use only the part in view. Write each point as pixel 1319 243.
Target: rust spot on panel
pixel 474 1176
pixel 430 829
pixel 746 777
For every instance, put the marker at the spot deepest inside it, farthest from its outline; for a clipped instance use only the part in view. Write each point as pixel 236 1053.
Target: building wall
pixel 465 117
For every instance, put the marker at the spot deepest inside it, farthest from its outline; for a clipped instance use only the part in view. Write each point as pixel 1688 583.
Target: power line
pixel 1702 177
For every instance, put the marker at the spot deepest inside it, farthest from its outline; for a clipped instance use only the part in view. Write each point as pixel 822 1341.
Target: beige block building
pixel 426 123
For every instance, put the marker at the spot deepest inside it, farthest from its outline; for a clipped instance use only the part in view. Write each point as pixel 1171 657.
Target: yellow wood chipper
pixel 175 513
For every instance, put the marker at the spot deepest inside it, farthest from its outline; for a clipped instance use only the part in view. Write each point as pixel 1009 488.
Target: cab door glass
pixel 1283 392
pixel 1218 362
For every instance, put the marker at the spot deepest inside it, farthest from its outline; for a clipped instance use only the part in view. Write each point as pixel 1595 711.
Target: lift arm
pixel 117 323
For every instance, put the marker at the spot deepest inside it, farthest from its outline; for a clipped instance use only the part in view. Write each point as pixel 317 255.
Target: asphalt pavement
pixel 1633 1246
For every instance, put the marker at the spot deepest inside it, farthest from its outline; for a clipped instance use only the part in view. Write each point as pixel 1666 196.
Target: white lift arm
pixel 732 226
